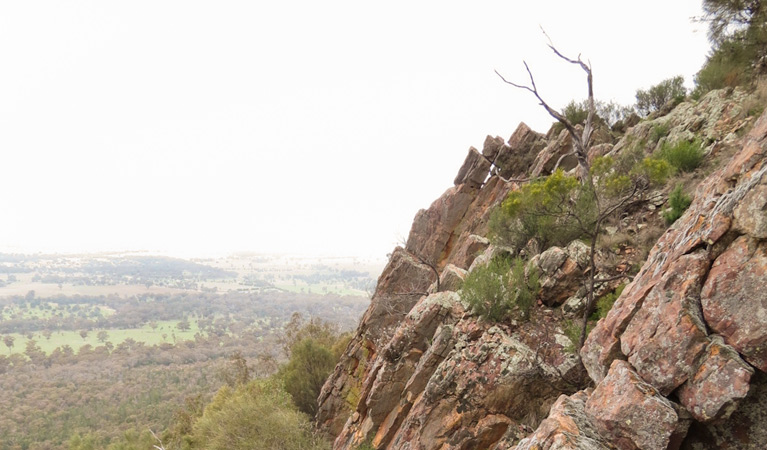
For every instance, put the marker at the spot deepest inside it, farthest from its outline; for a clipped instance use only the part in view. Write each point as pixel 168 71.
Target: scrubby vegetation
pixel 678 202
pixel 554 210
pixel 559 208
pixel 657 96
pixel 501 288
pixel 256 414
pixel 605 302
pixel 738 33
pixel 658 132
pixel 272 412
pixel 684 156
pixel 608 113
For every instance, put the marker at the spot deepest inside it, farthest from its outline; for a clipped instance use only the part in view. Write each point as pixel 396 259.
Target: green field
pixel 164 332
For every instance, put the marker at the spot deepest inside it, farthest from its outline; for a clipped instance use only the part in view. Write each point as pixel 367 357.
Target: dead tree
pixel 581 141
pixel 605 207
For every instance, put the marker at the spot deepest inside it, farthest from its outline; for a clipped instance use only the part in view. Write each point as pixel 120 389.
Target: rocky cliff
pixel 679 361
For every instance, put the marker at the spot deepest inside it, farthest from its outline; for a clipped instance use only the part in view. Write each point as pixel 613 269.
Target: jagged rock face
pixel 445 238
pixel 633 415
pixel 743 430
pixel 566 428
pixel 515 159
pixel 561 271
pixel 446 380
pixel 693 320
pixel 400 285
pixel 679 361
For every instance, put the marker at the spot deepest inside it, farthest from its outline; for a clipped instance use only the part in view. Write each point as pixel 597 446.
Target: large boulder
pixel 720 381
pixel 561 271
pixel 734 299
pixel 633 415
pixel 664 338
pixel 567 428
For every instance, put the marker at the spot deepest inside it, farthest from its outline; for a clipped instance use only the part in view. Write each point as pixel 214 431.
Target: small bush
pixel 576 112
pixel 310 364
pixel 605 303
pixel 678 202
pixel 657 96
pixel 500 287
pixel 658 132
pixel 572 329
pixel 685 156
pixel 259 414
pixel 607 113
pixel 536 211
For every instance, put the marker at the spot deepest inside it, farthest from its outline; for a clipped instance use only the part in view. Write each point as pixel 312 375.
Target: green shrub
pixel 258 414
pixel 605 303
pixel 576 112
pixel 541 210
pixel 729 65
pixel 678 202
pixel 685 156
pixel 657 96
pixel 658 132
pixel 499 288
pixel 572 329
pixel 309 366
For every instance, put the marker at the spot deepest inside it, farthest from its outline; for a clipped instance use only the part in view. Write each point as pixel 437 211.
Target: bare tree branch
pixel 581 141
pixel 157 447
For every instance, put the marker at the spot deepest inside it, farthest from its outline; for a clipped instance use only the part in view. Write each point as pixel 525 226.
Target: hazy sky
pixel 300 126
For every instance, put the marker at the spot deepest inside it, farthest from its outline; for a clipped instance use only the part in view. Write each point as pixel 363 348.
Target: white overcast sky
pixel 318 127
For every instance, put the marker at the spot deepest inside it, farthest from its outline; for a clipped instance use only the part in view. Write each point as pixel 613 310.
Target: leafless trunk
pixel 581 144
pixel 581 141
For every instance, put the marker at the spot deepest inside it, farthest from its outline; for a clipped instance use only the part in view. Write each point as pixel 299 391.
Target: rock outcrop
pixel 679 362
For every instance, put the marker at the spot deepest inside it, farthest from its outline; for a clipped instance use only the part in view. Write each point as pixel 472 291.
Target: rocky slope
pixel 679 361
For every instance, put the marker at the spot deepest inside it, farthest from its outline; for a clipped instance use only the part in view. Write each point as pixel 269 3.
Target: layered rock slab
pixel 633 415
pixel 665 337
pixel 566 428
pixel 734 299
pixel 718 384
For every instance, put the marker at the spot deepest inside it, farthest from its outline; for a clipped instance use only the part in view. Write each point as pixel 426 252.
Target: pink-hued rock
pixel 469 247
pixel 488 373
pixel 561 271
pixel 433 227
pixel 751 214
pixel 744 430
pixel 716 387
pixel 703 225
pixel 464 244
pixel 631 414
pixel 665 337
pixel 734 299
pixel 566 428
pixel 603 344
pixel 451 278
pixel 399 287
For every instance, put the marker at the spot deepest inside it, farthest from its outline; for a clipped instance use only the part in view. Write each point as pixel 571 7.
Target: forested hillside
pixel 100 368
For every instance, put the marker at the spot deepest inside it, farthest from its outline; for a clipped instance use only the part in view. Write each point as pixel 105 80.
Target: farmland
pixel 134 335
